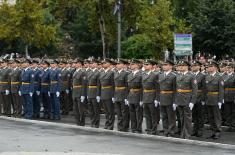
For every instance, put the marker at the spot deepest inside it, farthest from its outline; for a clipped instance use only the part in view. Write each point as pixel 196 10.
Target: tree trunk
pixel 27 51
pixel 103 35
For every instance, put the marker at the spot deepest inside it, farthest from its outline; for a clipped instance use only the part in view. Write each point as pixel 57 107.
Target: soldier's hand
pixel 113 99
pixel 220 105
pixel 19 93
pixel 141 103
pixel 7 92
pixel 67 91
pixel 57 94
pixel 82 98
pixel 203 103
pixel 191 105
pixel 38 93
pixel 49 94
pixel 30 94
pixel 98 99
pixel 126 102
pixel 156 103
pixel 174 106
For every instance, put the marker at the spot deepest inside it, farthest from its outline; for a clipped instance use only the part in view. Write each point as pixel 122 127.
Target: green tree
pixel 213 24
pixel 26 22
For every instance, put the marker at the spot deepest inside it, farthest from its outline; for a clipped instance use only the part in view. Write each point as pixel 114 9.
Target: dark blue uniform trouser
pixel 36 104
pixel 46 105
pixel 28 106
pixel 55 104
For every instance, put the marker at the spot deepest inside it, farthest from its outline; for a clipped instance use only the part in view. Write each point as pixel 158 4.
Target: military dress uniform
pixel 36 93
pixel 15 87
pixel 214 96
pixel 55 90
pixel 186 88
pixel 198 107
pixel 229 99
pixel 106 79
pixel 167 86
pixel 26 90
pixel 45 92
pixel 120 95
pixel 78 89
pixel 134 99
pixel 93 93
pixel 65 90
pixel 5 90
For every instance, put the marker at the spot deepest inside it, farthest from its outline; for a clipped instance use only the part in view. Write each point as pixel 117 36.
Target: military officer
pixel 36 93
pixel 167 86
pixel 78 89
pixel 93 93
pixel 106 80
pixel 186 88
pixel 65 77
pixel 15 87
pixel 198 107
pixel 55 89
pixel 5 88
pixel 150 97
pixel 135 95
pixel 45 88
pixel 120 95
pixel 27 89
pixel 229 97
pixel 214 98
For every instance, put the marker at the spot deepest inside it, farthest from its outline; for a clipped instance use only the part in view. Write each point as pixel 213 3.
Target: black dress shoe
pixel 194 134
pixel 211 137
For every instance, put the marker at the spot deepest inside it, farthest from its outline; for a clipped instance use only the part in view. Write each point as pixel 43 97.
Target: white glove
pixel 19 93
pixel 203 103
pixel 38 93
pixel 126 102
pixel 57 94
pixel 82 98
pixel 174 106
pixel 191 105
pixel 98 99
pixel 113 99
pixel 67 91
pixel 156 103
pixel 49 94
pixel 30 94
pixel 223 100
pixel 220 105
pixel 141 103
pixel 7 92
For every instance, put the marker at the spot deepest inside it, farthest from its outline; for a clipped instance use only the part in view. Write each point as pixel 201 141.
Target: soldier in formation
pixel 132 89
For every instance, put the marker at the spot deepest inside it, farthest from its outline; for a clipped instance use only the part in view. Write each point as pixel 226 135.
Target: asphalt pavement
pixel 30 137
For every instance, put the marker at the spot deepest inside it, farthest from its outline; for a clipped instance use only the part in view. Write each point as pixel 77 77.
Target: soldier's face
pixel 195 68
pixel 148 67
pixel 78 65
pixel 184 68
pixel 94 65
pixel 223 69
pixel 134 66
pixel 53 65
pixel 211 69
pixel 166 67
pixel 120 66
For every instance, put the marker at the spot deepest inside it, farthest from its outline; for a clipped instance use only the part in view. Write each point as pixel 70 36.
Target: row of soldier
pixel 130 89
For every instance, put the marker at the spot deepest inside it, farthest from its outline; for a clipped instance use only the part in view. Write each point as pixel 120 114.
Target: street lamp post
pixel 119 39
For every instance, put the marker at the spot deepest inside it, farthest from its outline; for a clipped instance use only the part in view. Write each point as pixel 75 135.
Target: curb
pixel 123 134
